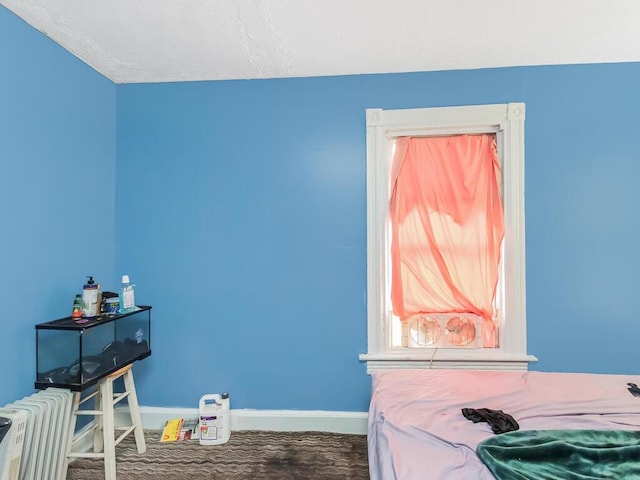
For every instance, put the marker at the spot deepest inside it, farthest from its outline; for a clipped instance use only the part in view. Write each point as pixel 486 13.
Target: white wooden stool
pixel 104 441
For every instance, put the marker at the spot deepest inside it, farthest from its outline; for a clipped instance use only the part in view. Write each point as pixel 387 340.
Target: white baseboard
pixel 154 418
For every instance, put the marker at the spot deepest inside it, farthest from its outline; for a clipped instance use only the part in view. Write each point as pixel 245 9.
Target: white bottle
pixel 90 307
pixel 214 419
pixel 127 297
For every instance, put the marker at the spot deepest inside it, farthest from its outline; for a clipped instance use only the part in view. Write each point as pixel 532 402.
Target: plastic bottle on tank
pixel 127 297
pixel 76 312
pixel 90 299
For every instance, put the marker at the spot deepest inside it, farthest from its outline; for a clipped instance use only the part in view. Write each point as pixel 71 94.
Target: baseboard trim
pixel 299 421
pixel 154 418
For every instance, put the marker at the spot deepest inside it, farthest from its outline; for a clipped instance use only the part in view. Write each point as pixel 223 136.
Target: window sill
pixel 471 359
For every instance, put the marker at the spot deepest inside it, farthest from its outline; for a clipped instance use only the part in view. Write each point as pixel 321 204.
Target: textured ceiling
pixel 182 40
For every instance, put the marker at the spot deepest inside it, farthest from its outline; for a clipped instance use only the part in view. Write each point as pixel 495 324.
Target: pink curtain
pixel 447 227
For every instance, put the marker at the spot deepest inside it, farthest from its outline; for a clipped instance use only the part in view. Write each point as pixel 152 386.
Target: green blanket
pixel 563 455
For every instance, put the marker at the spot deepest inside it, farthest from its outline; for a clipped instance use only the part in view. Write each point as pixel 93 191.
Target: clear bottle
pixel 127 297
pixel 77 307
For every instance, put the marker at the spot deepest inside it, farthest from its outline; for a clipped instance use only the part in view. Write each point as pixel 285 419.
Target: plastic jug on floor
pixel 214 419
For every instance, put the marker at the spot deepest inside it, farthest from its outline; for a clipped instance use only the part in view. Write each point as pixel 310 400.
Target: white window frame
pixel 507 122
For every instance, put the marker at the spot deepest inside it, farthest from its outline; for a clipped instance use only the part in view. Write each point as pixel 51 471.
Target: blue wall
pixel 57 194
pixel 583 226
pixel 238 208
pixel 242 217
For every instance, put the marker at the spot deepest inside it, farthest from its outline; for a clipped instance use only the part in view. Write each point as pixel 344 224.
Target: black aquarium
pixel 76 353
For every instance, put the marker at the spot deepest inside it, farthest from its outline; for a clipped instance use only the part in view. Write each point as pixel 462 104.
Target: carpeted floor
pixel 253 455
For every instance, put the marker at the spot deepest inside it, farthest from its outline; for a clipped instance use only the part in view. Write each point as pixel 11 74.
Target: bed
pixel 416 429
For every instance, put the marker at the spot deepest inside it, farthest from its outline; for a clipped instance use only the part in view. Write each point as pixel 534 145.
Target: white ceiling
pixel 133 41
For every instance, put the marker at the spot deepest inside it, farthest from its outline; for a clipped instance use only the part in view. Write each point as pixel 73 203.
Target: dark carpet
pixel 249 455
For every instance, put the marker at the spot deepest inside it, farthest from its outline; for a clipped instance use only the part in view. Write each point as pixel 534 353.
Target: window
pixel 393 344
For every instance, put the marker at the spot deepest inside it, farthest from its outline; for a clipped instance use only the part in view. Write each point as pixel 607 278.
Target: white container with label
pixel 214 419
pixel 90 294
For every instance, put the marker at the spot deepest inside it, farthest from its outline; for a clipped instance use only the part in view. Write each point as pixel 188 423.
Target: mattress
pixel 416 429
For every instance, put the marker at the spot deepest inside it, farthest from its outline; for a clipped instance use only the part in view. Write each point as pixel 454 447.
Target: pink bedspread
pixel 417 430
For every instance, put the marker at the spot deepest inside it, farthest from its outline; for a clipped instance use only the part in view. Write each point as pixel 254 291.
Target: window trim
pixel 507 120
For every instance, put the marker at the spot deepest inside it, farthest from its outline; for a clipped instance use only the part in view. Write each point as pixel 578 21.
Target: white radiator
pixel 45 442
pixel 11 443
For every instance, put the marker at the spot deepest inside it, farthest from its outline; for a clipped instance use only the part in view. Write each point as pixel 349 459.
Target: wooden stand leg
pixel 106 392
pixel 98 432
pixel 71 432
pixel 135 411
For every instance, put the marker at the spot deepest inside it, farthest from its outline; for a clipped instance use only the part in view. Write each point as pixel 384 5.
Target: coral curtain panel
pixel 447 227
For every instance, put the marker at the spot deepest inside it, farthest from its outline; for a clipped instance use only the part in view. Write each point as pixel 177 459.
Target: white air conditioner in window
pixel 445 330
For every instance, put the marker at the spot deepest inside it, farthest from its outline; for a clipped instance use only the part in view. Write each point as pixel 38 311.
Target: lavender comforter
pixel 417 431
